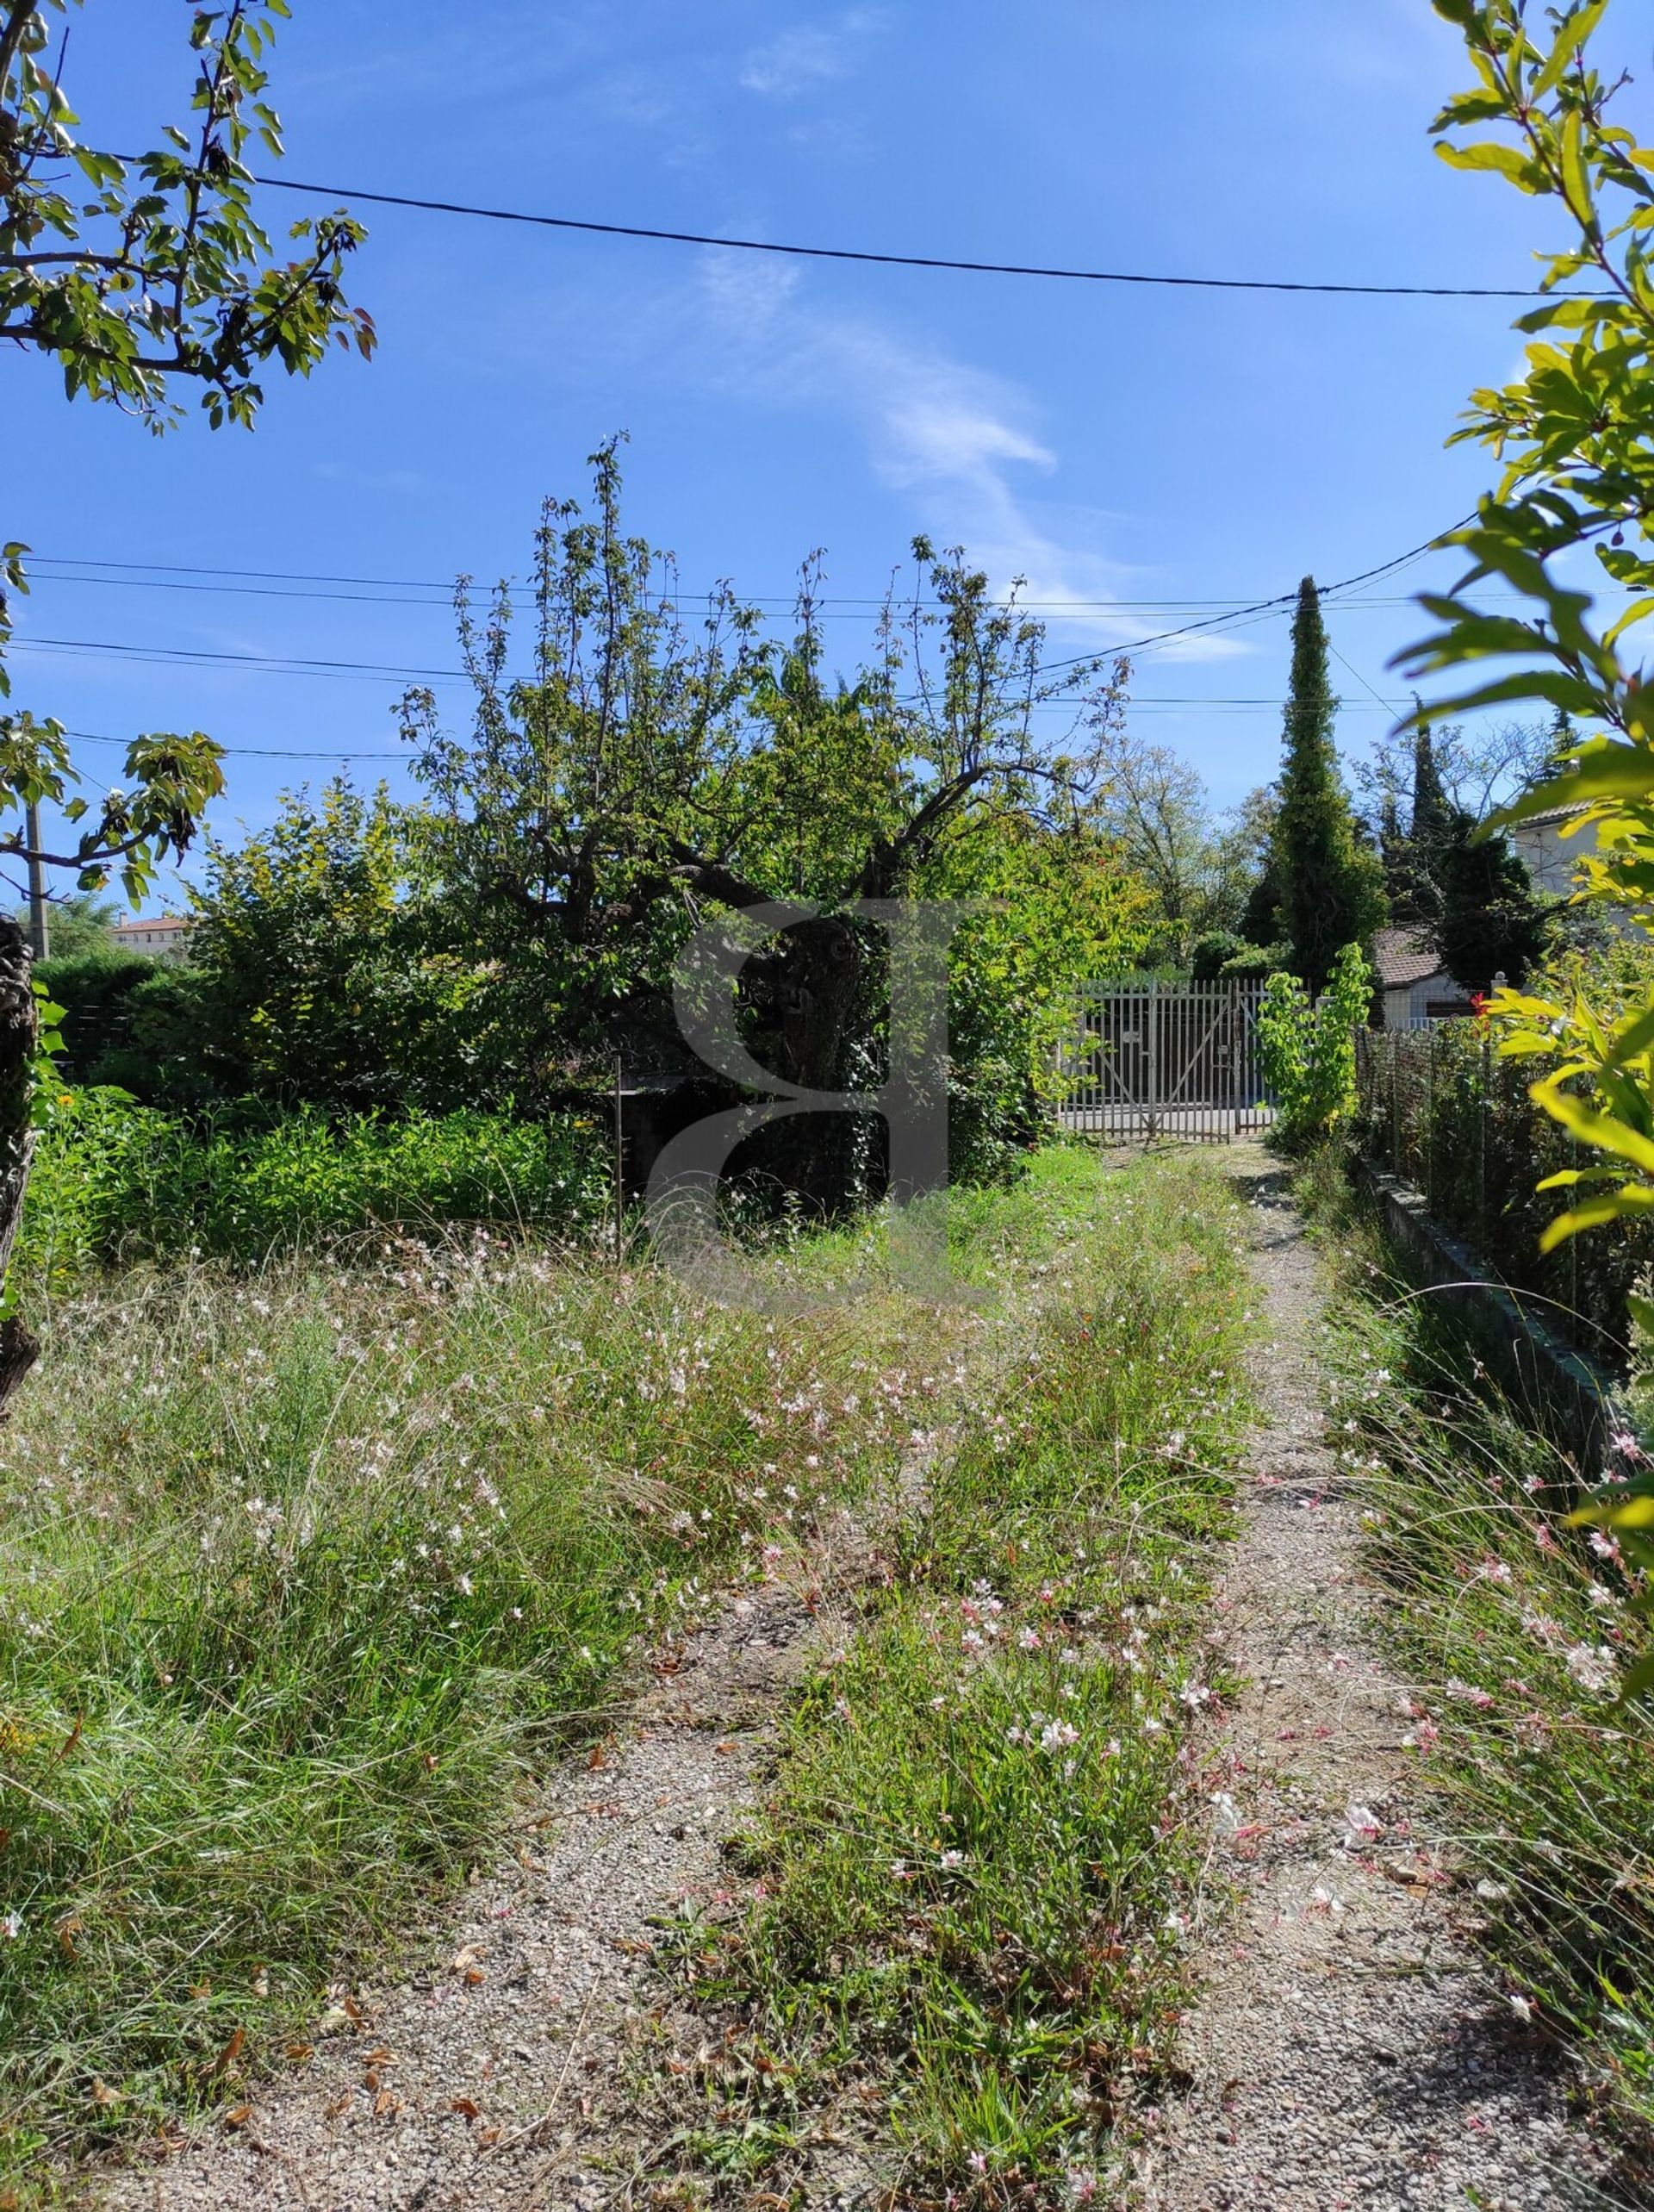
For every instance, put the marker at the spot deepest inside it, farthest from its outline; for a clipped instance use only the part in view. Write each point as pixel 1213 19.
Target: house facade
pixel 165 937
pixel 1416 986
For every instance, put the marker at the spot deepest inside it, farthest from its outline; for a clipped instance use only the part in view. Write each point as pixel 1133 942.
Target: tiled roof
pixel 1405 956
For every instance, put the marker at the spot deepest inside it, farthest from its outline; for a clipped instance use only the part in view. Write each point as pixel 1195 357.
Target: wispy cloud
pixel 808 54
pixel 962 443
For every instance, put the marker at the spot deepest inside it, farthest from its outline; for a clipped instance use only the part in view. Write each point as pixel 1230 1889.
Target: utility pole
pixel 40 936
pixel 619 1163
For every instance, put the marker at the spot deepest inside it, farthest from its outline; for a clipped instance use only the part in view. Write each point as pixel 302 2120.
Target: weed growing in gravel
pixel 1517 1630
pixel 300 1572
pixel 967 1893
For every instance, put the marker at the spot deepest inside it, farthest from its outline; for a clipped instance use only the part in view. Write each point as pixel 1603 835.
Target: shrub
pixel 116 1179
pixel 96 991
pixel 1309 1049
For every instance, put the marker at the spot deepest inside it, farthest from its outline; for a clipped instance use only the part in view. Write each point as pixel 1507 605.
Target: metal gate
pixel 1155 1060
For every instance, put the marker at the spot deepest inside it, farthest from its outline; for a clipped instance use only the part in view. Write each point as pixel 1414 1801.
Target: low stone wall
pixel 1567 1395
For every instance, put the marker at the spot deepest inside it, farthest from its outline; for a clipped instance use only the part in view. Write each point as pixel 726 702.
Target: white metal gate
pixel 1157 1060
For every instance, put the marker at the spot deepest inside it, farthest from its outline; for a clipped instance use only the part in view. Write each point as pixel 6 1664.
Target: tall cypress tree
pixel 1413 860
pixel 1331 886
pixel 1433 815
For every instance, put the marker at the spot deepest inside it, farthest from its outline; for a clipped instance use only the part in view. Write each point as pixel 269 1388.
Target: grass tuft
pixel 965 1911
pixel 303 1573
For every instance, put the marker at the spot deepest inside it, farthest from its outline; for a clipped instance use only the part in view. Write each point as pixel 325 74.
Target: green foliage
pixel 134 274
pixel 1445 1113
pixel 501 938
pixel 1491 923
pixel 1307 1047
pixel 96 991
pixel 1413 858
pixel 978 1849
pixel 300 1574
pixel 1210 956
pixel 1331 887
pixel 1516 1635
pixel 1057 912
pixel 170 781
pixel 1573 437
pixel 315 978
pixel 114 1180
pixel 642 774
pixel 81 927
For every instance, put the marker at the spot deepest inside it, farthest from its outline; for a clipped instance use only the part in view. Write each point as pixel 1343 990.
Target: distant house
pixel 1551 859
pixel 163 937
pixel 1416 986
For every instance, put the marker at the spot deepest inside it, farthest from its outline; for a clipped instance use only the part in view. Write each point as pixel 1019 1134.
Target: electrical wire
pixel 1263 608
pixel 843 608
pixel 340 192
pixel 287 665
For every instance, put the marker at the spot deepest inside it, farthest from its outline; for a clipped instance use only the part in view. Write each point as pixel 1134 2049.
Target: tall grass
pixel 1517 1630
pixel 302 1572
pixel 967 1889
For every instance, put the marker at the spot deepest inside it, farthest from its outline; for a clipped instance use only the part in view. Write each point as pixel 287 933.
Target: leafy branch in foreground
pixel 1575 437
pixel 137 271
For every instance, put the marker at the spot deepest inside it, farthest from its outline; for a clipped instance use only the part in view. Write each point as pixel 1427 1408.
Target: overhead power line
pixel 1263 607
pixel 342 192
pixel 1232 617
pixel 138 576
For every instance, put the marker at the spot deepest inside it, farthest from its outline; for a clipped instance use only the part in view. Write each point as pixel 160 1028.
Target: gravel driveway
pixel 1350 2049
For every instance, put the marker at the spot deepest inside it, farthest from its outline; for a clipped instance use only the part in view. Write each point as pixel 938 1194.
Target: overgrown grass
pixel 1518 1628
pixel 965 1916
pixel 114 1181
pixel 301 1572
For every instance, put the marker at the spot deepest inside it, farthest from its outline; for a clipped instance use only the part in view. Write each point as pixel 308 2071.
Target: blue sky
pixel 1113 445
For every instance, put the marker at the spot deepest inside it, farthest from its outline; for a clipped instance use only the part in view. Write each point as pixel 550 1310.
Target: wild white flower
pixel 1058 1735
pixel 1592 1667
pixel 12 1926
pixel 1194 1694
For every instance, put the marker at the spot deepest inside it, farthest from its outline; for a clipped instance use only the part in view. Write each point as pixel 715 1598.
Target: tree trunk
pixel 19 1346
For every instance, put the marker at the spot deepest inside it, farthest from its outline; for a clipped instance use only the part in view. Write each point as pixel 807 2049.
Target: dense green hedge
pixel 1442 1111
pixel 116 1180
pixel 96 991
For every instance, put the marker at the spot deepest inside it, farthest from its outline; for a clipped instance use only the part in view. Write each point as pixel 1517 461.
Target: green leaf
pixel 1506 160
pixel 1575 28
pixel 1618 771
pixel 1635 1038
pixel 1596 1213
pixel 1577 182
pixel 1606 1133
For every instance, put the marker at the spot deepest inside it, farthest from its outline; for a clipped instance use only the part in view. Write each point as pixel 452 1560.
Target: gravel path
pixel 1349 2049
pixel 501 2077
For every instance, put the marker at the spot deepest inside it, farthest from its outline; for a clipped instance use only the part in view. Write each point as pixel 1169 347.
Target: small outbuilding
pixel 1416 986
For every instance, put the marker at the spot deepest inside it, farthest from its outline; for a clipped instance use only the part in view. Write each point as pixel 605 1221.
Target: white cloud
pixel 807 55
pixel 961 443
